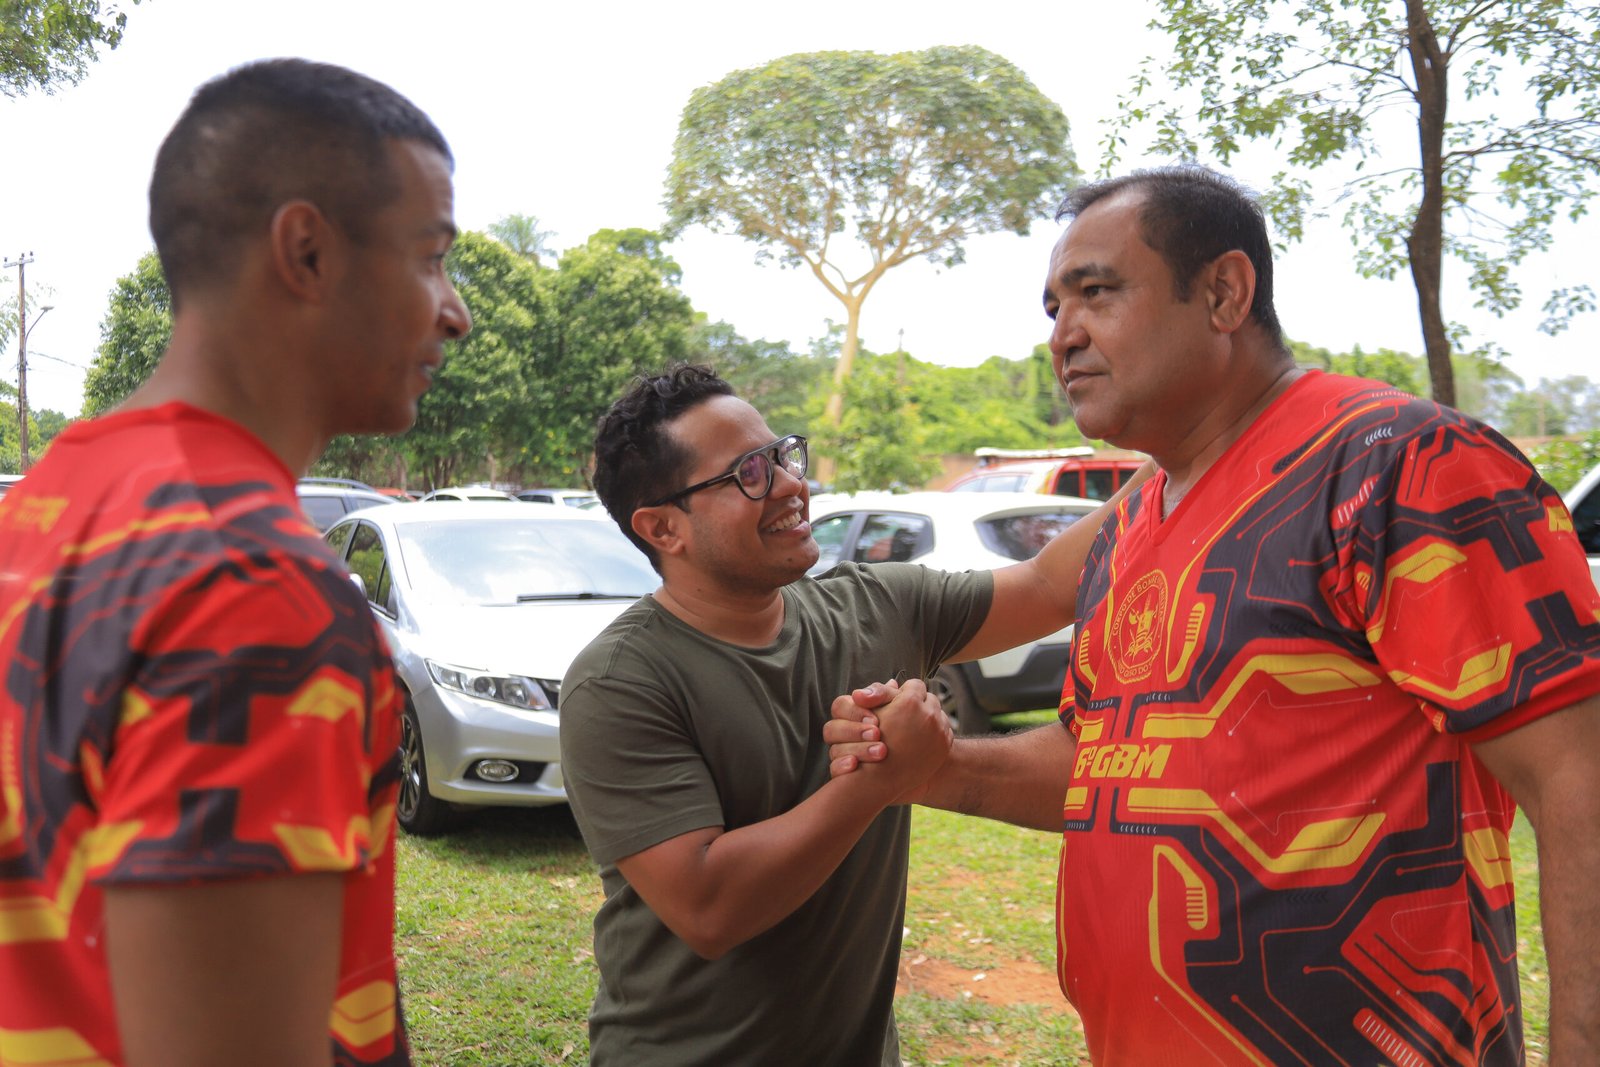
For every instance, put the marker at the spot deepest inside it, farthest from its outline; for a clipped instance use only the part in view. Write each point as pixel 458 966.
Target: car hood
pixel 536 639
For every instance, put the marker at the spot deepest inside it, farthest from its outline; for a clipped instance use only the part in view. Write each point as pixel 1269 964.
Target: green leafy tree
pixel 617 316
pixel 1502 98
pixel 46 43
pixel 479 405
pixel 10 438
pixel 649 244
pixel 1484 385
pixel 780 383
pixel 374 460
pixel 909 153
pixel 522 235
pixel 1551 408
pixel 994 404
pixel 47 424
pixel 1399 369
pixel 882 442
pixel 1563 462
pixel 133 335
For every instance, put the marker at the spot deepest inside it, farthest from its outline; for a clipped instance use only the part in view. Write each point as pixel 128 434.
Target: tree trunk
pixel 833 413
pixel 1425 243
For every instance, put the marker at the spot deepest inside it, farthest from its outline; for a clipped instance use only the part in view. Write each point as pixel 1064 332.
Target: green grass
pixel 496 968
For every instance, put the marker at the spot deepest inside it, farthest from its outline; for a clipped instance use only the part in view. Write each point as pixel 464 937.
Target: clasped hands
pixel 867 723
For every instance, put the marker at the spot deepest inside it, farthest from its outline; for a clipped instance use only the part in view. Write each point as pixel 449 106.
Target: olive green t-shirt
pixel 665 730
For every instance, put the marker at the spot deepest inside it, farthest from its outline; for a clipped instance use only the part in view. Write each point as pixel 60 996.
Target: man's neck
pixel 203 367
pixel 1199 454
pixel 752 621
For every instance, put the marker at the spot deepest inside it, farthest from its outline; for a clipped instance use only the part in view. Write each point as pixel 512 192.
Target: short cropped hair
pixel 262 135
pixel 635 459
pixel 1191 215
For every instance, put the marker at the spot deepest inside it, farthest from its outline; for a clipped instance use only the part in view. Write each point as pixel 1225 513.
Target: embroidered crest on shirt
pixel 1135 632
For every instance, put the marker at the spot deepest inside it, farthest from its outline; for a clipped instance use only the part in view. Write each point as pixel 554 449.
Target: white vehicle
pixel 960 532
pixel 485 606
pixel 1583 500
pixel 462 493
pixel 572 498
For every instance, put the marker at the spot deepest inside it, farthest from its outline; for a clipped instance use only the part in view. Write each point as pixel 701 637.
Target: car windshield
pixel 1020 537
pixel 495 562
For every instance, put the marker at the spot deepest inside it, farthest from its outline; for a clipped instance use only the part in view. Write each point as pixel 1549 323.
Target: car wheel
pixel 417 809
pixel 950 685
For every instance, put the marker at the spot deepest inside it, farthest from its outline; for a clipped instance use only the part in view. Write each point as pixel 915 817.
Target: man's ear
pixel 302 243
pixel 659 528
pixel 1230 290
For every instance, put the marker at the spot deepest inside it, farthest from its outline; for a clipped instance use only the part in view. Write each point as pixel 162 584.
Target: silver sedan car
pixel 484 607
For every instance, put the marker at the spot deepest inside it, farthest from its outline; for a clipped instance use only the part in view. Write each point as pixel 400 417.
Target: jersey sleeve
pixel 1472 589
pixel 635 776
pixel 245 744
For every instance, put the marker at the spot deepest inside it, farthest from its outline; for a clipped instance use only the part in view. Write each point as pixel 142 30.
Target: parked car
pixel 484 608
pixel 327 500
pixel 466 492
pixel 1583 500
pixel 7 481
pixel 958 532
pixel 1081 472
pixel 572 498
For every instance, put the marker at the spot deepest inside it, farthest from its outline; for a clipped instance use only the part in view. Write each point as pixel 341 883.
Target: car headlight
pixel 520 692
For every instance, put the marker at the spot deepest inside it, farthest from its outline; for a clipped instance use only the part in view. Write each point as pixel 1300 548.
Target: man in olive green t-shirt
pixel 753 908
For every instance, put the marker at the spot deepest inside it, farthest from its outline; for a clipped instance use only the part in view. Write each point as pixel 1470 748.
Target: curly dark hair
pixel 1192 215
pixel 264 134
pixel 635 459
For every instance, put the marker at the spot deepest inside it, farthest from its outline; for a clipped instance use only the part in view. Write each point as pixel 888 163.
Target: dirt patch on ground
pixel 1012 982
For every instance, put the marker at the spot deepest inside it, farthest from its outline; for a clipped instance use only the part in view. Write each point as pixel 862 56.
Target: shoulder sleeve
pixel 948 607
pixel 1474 593
pixel 261 709
pixel 633 772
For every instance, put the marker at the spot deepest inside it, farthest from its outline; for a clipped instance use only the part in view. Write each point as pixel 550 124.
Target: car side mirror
pixel 357 581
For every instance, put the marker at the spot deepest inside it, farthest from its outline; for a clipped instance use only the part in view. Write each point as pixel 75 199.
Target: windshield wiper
pixel 526 598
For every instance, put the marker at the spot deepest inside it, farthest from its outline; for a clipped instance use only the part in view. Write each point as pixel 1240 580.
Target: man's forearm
pixel 1549 766
pixel 1569 870
pixel 1020 778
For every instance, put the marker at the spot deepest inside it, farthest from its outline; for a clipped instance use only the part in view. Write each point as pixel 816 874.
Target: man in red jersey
pixel 198 718
pixel 1320 658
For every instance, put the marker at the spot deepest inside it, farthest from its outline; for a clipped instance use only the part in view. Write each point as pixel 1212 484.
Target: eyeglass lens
pixel 756 471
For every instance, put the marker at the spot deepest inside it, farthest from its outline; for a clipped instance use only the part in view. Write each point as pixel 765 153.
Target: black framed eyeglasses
pixel 754 471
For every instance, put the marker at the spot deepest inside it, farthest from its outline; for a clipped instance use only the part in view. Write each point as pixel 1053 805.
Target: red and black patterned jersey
pixel 192 690
pixel 1279 847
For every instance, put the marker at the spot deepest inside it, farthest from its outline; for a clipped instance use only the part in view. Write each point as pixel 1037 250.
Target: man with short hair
pixel 753 908
pixel 1320 657
pixel 198 716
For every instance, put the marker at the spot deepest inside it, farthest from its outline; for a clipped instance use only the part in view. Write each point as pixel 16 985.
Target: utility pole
pixel 21 263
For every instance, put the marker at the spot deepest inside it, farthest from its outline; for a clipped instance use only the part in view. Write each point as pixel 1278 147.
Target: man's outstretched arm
pixel 718 888
pixel 1039 596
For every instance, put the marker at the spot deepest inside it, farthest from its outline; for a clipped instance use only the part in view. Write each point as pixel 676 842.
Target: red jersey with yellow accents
pixel 1279 847
pixel 192 691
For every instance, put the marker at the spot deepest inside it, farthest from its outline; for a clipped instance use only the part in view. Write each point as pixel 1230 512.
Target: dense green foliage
pixel 1563 462
pixel 46 43
pixel 134 333
pixel 1469 128
pixel 908 154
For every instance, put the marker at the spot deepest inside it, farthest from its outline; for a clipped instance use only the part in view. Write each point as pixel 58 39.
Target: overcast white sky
pixel 567 111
